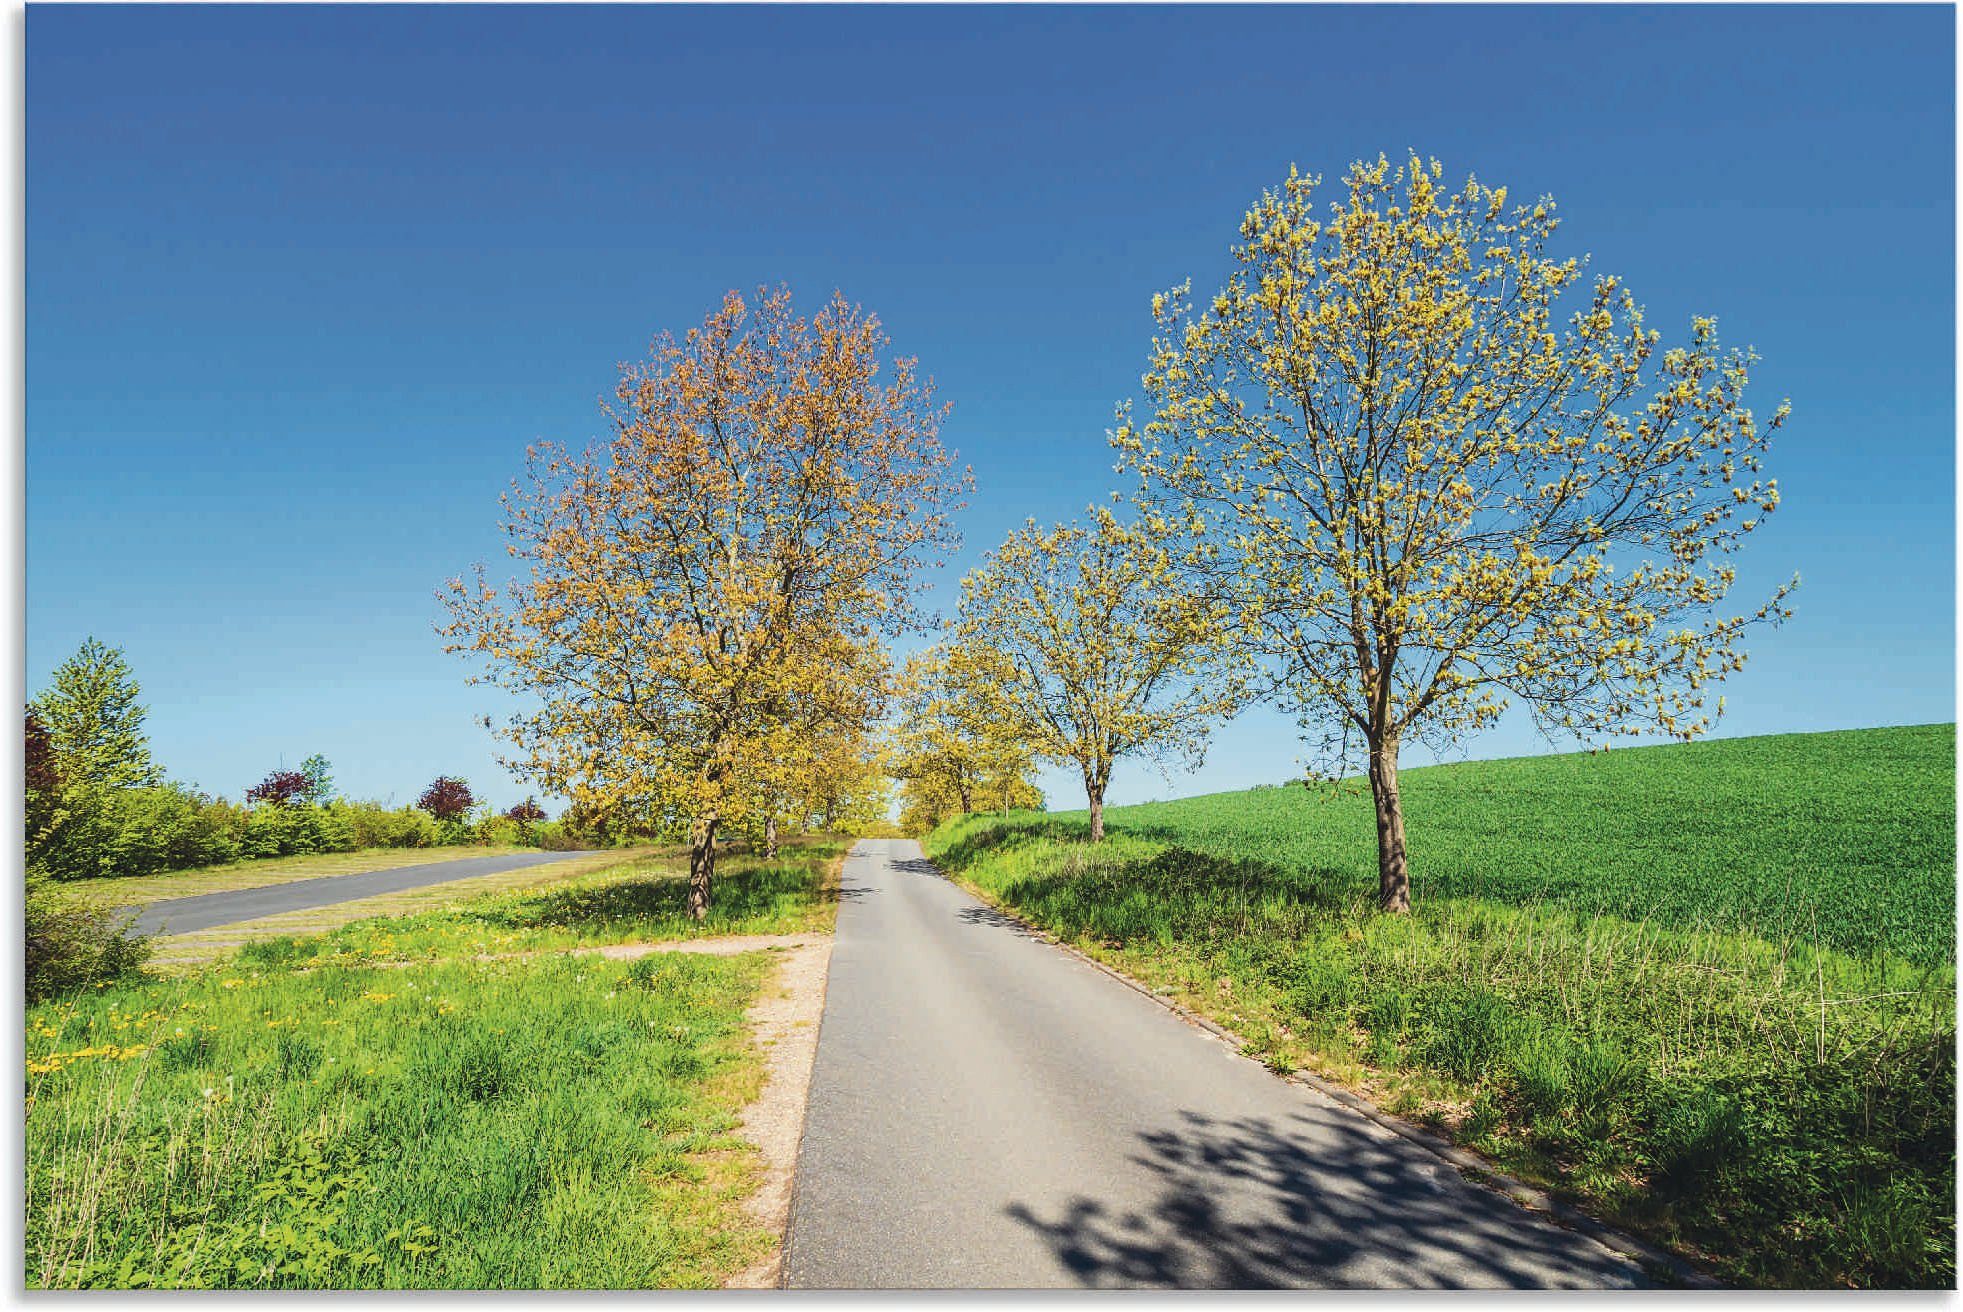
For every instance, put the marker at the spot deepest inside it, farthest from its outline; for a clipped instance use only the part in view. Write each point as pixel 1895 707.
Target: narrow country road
pixel 989 1112
pixel 185 915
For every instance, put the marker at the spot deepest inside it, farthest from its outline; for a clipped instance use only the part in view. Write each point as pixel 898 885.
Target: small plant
pixel 71 943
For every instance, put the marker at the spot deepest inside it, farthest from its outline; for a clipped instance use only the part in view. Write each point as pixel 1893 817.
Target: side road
pixel 987 1111
pixel 184 915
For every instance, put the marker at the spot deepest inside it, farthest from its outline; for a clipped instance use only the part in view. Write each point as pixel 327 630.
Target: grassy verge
pixel 1731 1082
pixel 384 1110
pixel 639 901
pixel 145 889
pixel 178 953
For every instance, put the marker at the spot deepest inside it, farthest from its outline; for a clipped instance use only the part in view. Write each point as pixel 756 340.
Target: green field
pixel 379 1107
pixel 1707 990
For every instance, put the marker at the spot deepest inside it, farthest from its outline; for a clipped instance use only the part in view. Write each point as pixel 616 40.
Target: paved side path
pixel 989 1112
pixel 183 915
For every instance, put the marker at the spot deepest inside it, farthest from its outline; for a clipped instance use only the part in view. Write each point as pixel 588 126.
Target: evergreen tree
pixel 95 722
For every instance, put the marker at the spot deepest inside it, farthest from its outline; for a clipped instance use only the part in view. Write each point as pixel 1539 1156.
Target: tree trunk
pixel 701 864
pixel 967 800
pixel 1095 791
pixel 770 838
pixel 1393 870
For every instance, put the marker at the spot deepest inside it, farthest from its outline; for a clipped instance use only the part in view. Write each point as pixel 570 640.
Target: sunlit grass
pixel 379 1107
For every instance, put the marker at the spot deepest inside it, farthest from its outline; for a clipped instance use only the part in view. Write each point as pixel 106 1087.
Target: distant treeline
pixel 99 805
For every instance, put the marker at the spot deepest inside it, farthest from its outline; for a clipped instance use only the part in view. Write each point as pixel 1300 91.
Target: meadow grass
pixel 389 1111
pixel 1752 1077
pixel 179 953
pixel 638 901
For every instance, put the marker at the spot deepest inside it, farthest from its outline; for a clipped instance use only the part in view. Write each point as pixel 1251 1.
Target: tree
pixel 944 742
pixel 1081 644
pixel 447 799
pixel 42 777
pixel 770 492
pixel 279 788
pixel 95 722
pixel 320 780
pixel 526 813
pixel 1440 476
pixel 950 756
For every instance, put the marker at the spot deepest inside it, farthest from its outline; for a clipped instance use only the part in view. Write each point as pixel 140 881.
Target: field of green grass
pixel 385 1109
pixel 1707 991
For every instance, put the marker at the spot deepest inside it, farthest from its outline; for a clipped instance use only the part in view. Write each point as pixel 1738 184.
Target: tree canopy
pixel 1441 475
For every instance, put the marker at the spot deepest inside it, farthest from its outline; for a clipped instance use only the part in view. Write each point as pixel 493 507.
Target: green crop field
pixel 1853 832
pixel 1707 990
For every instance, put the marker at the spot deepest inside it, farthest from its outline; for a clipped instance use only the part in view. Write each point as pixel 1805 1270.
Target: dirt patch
pixel 785 1022
pixel 728 946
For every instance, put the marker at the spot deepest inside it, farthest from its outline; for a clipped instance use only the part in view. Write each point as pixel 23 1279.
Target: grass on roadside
pixel 460 1125
pixel 639 901
pixel 179 953
pixel 377 1108
pixel 1716 1076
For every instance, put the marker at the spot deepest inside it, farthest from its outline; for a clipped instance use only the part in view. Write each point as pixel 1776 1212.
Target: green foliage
pixel 460 1125
pixel 138 831
pixel 296 830
pixel 71 943
pixel 95 721
pixel 318 772
pixel 1669 981
pixel 376 825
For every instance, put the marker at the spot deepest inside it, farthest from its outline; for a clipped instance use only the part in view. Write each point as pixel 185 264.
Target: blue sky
pixel 303 282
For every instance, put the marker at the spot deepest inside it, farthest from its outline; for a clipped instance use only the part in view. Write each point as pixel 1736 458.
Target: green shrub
pixel 498 831
pixel 71 943
pixel 137 831
pixel 376 825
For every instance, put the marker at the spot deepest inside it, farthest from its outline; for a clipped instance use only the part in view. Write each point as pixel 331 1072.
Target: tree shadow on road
pixel 1319 1200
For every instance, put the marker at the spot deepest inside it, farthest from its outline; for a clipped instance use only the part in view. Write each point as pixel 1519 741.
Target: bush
pixel 554 836
pixel 375 825
pixel 499 831
pixel 71 943
pixel 138 831
pixel 297 830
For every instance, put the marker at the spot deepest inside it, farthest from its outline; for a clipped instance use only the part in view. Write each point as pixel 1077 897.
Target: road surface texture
pixel 185 915
pixel 989 1112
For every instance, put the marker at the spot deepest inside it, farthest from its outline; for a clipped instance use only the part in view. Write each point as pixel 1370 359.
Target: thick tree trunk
pixel 701 864
pixel 1095 791
pixel 770 838
pixel 1393 870
pixel 967 800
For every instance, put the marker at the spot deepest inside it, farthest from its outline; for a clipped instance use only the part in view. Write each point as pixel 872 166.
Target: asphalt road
pixel 183 915
pixel 989 1112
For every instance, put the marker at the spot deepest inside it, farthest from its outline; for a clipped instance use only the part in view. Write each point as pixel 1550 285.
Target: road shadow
pixel 1314 1201
pixel 991 918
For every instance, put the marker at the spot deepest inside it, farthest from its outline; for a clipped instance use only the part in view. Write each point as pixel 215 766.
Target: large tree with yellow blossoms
pixel 1441 474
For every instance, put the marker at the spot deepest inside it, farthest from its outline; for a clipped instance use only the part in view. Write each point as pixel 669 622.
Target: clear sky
pixel 303 282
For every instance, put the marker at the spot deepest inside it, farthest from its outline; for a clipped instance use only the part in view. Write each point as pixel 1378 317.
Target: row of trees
pixel 1401 471
pixel 98 804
